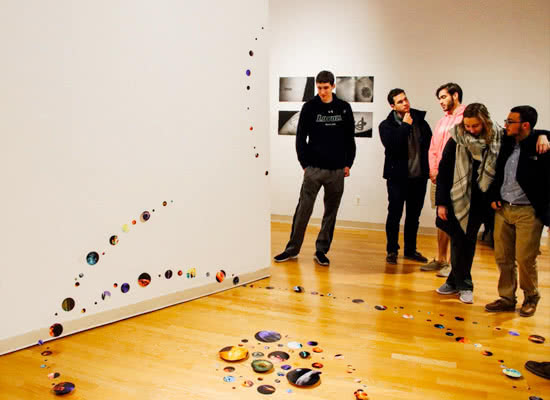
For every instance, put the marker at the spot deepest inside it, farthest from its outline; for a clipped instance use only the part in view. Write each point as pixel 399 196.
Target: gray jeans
pixel 333 183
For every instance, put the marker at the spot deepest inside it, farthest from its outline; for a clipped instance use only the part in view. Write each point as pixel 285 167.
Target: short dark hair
pixel 392 94
pixel 452 88
pixel 325 77
pixel 527 114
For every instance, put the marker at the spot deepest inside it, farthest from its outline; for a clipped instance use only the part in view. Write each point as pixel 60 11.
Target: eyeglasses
pixel 509 122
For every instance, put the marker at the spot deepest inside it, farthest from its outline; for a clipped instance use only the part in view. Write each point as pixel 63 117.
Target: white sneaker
pixel 445 271
pixel 466 296
pixel 446 289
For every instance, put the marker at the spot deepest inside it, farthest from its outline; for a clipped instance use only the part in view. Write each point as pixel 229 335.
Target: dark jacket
pixel 533 173
pixel 325 137
pixel 395 139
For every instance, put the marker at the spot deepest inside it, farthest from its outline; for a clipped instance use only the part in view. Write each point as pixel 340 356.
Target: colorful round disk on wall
pixel 113 240
pixel 266 389
pixel 303 377
pixel 233 353
pixel 68 304
pixel 268 336
pixel 145 215
pixel 262 366
pixel 144 279
pixel 92 258
pixel 56 330
pixel 220 276
pixel 63 388
pixel 125 228
pixel 537 339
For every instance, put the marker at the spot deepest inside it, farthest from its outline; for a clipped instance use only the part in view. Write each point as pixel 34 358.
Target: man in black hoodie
pixel 325 145
pixel 406 137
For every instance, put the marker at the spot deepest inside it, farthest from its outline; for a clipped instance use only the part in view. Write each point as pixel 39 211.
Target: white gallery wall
pixel 134 158
pixel 498 51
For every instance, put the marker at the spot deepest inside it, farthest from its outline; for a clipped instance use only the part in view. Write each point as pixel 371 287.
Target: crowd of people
pixel 476 168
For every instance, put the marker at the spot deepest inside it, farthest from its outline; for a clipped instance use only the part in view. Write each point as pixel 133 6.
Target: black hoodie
pixel 330 129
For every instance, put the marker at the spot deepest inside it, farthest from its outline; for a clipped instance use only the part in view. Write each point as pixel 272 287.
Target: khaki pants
pixel 517 238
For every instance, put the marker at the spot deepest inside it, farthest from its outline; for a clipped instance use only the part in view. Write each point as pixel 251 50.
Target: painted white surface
pixel 496 50
pixel 108 109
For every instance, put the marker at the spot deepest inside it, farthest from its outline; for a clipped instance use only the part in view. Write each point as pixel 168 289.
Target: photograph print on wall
pixel 296 89
pixel 288 122
pixel 355 89
pixel 363 124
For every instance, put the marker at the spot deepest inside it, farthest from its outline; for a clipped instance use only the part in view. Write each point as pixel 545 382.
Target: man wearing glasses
pixel 520 196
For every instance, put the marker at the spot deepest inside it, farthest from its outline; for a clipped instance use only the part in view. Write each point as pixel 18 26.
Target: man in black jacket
pixel 521 197
pixel 325 144
pixel 406 137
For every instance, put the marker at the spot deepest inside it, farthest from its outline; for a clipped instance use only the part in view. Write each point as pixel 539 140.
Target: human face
pixel 473 126
pixel 324 89
pixel 447 101
pixel 513 124
pixel 401 104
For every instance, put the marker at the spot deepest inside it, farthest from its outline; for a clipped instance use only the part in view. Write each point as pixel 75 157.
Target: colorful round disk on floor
pixel 317 365
pixel 266 389
pixel 262 366
pixel 229 369
pixel 537 339
pixel 408 316
pixel 303 377
pixel 63 388
pixel 358 301
pixel 54 375
pixel 298 289
pixel 459 318
pixel 278 356
pixel 449 334
pixel 286 367
pixel 257 354
pixel 229 379
pixel 294 345
pixel 439 326
pixel 268 336
pixel 535 398
pixel 512 373
pixel 487 353
pixel 46 353
pixel 317 350
pixel 248 383
pixel 513 333
pixel 360 394
pixel 304 354
pixel 233 353
pixel 380 307
pixel 312 343
pixel 56 330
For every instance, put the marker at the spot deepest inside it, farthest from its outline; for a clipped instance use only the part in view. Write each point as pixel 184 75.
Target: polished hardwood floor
pixel 397 353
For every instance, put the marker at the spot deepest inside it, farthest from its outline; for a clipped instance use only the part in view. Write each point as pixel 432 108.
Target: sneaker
pixel 416 256
pixel 433 265
pixel 445 271
pixel 500 305
pixel 541 369
pixel 321 259
pixel 284 256
pixel 529 307
pixel 446 289
pixel 391 258
pixel 466 296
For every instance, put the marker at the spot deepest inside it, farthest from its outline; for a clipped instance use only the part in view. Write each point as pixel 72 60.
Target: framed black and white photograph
pixel 288 122
pixel 296 89
pixel 355 89
pixel 363 124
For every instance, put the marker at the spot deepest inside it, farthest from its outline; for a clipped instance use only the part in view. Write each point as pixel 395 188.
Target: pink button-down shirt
pixel 441 135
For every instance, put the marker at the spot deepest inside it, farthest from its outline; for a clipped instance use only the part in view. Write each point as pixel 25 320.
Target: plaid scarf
pixel 469 148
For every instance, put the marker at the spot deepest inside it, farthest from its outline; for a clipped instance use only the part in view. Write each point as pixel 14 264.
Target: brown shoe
pixel 500 305
pixel 529 307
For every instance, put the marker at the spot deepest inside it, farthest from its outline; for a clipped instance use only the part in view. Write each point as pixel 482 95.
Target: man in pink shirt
pixel 450 99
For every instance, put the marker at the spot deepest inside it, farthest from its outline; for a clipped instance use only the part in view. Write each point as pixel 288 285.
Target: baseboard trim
pixel 71 327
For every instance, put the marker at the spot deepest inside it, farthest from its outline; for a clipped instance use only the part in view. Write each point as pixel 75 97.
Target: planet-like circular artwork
pixel 236 280
pixel 113 240
pixel 63 388
pixel 304 354
pixel 68 304
pixel 380 307
pixel 360 394
pixel 168 274
pixel 262 366
pixel 92 258
pixel 105 295
pixel 248 383
pixel 46 353
pixel 303 377
pixel 294 345
pixel 278 356
pixel 145 215
pixel 229 369
pixel 144 279
pixel 125 288
pixel 257 354
pixel 56 330
pixel 358 301
pixel 512 373
pixel 268 336
pixel 298 289
pixel 317 365
pixel 266 389
pixel 537 339
pixel 233 353
pixel 220 276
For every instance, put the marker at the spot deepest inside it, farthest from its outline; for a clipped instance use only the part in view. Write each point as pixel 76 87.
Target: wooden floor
pixel 173 353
